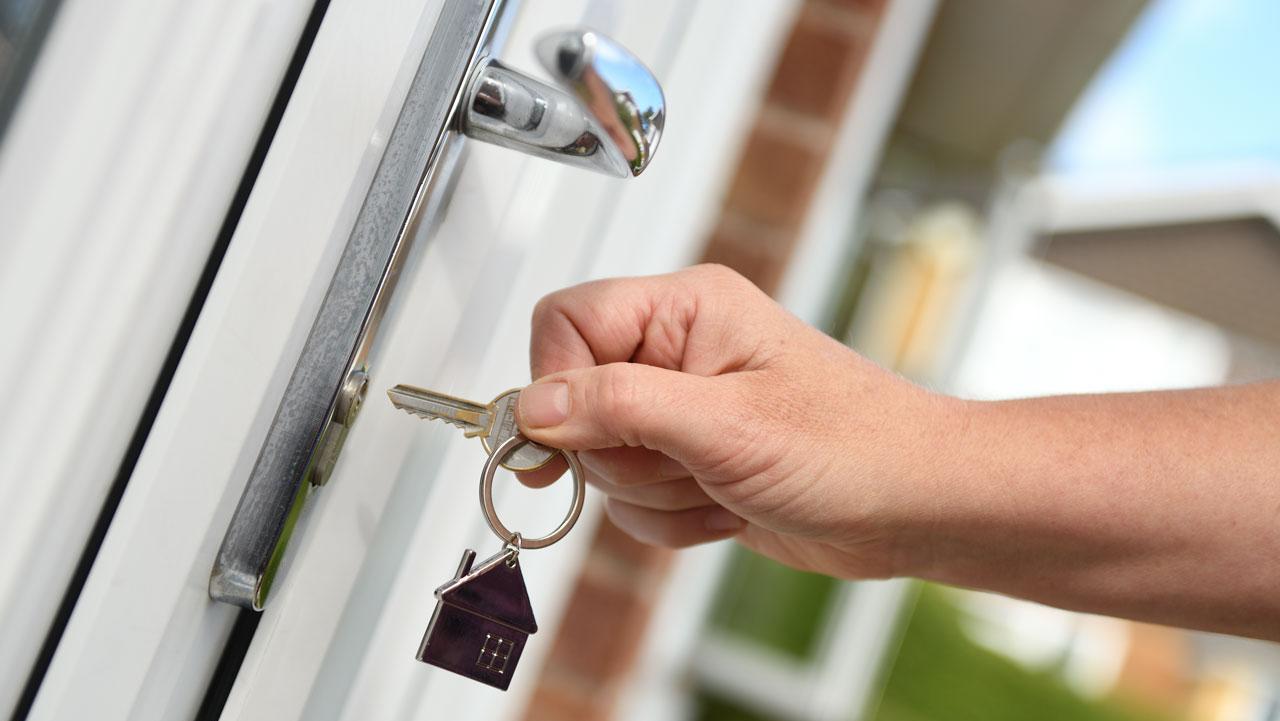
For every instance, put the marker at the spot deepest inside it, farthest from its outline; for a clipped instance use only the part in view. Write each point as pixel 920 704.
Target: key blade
pixel 474 419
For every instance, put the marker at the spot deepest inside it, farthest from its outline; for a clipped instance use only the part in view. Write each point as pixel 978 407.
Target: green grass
pixel 711 708
pixel 938 674
pixel 772 604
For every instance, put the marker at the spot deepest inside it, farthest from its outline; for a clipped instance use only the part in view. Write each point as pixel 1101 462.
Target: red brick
pixel 817 64
pixel 775 180
pixel 601 634
pixel 760 258
pixel 872 8
pixel 552 702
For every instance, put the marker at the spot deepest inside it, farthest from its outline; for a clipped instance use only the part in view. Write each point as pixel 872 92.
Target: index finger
pixel 546 475
pixel 594 323
pixel 649 320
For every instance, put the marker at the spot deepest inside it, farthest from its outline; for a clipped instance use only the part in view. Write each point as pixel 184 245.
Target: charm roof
pixel 492 589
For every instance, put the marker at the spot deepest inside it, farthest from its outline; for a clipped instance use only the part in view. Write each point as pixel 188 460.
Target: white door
pixel 353 592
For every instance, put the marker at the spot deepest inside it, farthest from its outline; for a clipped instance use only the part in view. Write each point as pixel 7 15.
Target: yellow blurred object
pixel 1158 669
pixel 905 309
pixel 1226 692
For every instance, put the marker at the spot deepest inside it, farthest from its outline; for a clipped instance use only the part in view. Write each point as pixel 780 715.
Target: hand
pixel 704 411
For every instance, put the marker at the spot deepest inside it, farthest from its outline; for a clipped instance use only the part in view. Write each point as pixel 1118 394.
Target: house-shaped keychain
pixel 482 620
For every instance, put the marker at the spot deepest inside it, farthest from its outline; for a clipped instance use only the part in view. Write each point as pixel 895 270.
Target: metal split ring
pixel 518 540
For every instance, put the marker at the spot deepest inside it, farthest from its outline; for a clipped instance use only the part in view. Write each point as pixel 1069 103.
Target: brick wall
pixel 760 219
pixel 787 149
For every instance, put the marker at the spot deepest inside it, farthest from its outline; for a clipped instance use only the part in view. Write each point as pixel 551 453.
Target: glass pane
pixel 779 607
pixel 23 25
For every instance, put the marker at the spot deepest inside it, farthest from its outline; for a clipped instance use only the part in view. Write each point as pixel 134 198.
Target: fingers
pixel 545 476
pixel 598 322
pixel 681 494
pixel 630 404
pixel 619 466
pixel 635 475
pixel 626 466
pixel 675 529
pixel 643 478
pixel 647 320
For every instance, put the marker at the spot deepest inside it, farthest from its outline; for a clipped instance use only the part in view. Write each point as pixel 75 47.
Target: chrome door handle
pixel 608 117
pixel 325 391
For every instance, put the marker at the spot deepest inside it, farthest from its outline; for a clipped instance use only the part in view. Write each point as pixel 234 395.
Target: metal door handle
pixel 608 117
pixel 610 121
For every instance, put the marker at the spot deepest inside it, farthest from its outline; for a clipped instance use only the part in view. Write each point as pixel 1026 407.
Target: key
pixel 493 423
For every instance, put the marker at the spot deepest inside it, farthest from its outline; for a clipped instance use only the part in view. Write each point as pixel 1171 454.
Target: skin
pixel 705 411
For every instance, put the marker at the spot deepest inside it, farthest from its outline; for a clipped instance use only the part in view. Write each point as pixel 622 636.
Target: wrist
pixel 941 482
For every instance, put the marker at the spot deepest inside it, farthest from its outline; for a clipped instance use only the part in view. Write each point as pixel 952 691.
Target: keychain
pixel 483 616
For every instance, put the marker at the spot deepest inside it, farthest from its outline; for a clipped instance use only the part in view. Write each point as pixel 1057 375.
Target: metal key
pixel 494 423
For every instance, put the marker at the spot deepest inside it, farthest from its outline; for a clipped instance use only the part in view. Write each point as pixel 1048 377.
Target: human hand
pixel 704 410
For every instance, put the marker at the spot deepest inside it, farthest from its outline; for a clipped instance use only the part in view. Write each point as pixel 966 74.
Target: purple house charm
pixel 481 622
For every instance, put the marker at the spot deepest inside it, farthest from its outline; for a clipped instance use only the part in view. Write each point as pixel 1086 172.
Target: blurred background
pixel 1073 197
pixel 996 198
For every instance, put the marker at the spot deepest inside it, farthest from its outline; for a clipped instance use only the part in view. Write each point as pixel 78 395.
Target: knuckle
pixel 715 270
pixel 721 276
pixel 555 343
pixel 730 293
pixel 540 309
pixel 545 309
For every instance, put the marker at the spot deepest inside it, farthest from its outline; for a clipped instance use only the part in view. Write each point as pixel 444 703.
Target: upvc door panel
pixel 144 637
pixel 115 176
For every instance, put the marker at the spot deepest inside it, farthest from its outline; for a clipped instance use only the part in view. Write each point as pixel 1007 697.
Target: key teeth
pixel 451 421
pixel 412 411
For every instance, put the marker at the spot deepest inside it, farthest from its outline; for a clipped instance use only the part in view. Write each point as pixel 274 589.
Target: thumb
pixel 628 404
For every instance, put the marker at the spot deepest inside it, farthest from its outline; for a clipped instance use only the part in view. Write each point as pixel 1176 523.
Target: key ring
pixel 491 514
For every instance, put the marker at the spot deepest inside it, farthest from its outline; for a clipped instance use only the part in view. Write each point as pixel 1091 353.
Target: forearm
pixel 1160 506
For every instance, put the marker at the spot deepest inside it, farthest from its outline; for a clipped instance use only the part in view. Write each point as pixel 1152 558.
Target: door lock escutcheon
pixel 607 115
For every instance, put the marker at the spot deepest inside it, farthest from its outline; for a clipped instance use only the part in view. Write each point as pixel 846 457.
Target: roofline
pixel 1064 203
pixel 476 569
